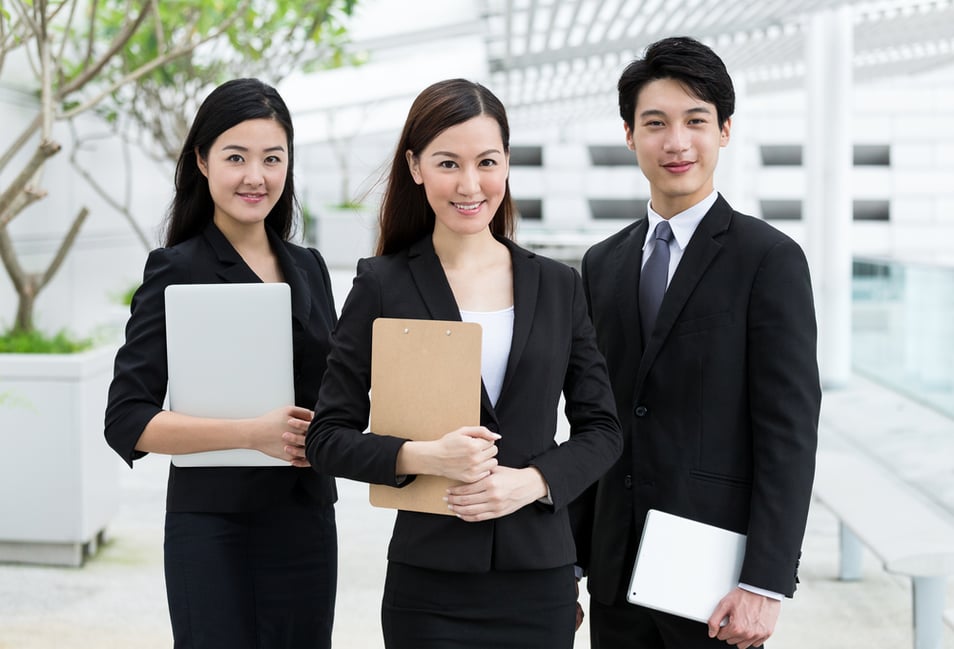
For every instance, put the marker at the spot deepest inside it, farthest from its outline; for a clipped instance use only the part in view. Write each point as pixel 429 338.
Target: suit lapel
pixel 628 258
pixel 295 277
pixel 702 249
pixel 231 267
pixel 431 282
pixel 438 297
pixel 526 283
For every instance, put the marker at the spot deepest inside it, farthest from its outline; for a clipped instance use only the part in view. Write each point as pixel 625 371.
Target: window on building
pixel 616 155
pixel 625 209
pixel 526 156
pixel 872 155
pixel 781 155
pixel 871 210
pixel 530 209
pixel 781 210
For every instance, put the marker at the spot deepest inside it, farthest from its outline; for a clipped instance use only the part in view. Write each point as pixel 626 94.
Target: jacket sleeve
pixel 785 399
pixel 140 373
pixel 335 443
pixel 595 441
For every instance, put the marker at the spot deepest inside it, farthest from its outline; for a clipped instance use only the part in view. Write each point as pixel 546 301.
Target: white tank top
pixel 497 333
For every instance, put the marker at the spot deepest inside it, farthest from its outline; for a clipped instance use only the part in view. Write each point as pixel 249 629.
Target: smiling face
pixel 676 138
pixel 246 168
pixel 464 172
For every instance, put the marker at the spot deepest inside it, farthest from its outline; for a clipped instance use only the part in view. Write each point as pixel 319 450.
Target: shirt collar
pixel 684 223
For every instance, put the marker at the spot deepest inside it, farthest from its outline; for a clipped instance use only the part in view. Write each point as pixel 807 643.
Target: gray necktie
pixel 653 279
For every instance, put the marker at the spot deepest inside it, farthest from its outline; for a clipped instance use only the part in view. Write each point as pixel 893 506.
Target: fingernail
pixel 444 498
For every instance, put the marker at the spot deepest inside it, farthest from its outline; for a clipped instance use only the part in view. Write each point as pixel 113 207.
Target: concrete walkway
pixel 118 601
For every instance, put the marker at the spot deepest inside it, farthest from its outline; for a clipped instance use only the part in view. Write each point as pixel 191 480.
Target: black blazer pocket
pixel 718 478
pixel 703 323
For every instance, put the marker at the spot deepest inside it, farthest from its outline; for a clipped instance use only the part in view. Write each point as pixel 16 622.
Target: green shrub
pixel 35 342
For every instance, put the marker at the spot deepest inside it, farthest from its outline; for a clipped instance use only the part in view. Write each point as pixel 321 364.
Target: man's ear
pixel 414 166
pixel 629 137
pixel 724 135
pixel 201 163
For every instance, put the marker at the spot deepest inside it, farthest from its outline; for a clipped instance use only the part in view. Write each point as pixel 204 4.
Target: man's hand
pixel 751 618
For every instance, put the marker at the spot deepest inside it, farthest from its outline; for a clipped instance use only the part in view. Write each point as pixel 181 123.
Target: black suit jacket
pixel 720 410
pixel 139 382
pixel 553 351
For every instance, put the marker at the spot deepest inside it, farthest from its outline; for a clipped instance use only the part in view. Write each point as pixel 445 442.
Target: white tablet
pixel 229 349
pixel 684 567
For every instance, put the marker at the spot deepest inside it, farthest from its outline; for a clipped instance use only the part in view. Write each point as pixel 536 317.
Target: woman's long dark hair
pixel 405 213
pixel 228 105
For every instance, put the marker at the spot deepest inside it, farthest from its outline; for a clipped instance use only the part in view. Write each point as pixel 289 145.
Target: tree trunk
pixel 25 302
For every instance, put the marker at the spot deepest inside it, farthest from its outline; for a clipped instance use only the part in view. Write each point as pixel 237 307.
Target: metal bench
pixel 910 536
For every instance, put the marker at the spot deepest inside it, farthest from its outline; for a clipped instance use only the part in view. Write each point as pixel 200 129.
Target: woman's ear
pixel 414 166
pixel 201 163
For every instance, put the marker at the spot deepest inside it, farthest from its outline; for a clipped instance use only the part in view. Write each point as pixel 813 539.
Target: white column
pixel 733 176
pixel 828 199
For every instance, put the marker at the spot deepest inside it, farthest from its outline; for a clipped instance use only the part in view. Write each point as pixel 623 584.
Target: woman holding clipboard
pixel 498 572
pixel 250 552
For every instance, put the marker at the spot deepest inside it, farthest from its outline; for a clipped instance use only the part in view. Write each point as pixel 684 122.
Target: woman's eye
pixel 447 164
pixel 488 162
pixel 272 160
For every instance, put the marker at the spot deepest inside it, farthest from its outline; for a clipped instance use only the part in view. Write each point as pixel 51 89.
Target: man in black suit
pixel 718 391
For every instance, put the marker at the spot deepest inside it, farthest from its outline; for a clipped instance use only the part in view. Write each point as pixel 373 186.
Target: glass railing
pixel 903 328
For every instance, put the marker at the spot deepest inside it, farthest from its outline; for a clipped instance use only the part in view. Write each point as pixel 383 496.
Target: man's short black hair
pixel 685 60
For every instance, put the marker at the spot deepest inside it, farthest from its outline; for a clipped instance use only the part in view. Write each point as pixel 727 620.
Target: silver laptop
pixel 684 567
pixel 229 349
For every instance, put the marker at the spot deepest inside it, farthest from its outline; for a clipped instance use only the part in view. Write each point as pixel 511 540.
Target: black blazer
pixel 720 411
pixel 553 351
pixel 139 382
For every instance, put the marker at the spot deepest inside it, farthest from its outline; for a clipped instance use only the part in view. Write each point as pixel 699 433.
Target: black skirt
pixel 523 609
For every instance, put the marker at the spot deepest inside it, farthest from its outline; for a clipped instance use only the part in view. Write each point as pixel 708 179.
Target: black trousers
pixel 434 609
pixel 253 580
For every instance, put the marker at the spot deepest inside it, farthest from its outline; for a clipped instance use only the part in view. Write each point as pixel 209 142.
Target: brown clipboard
pixel 425 382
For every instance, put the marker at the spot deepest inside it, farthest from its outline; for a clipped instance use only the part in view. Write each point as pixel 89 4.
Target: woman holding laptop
pixel 250 551
pixel 498 571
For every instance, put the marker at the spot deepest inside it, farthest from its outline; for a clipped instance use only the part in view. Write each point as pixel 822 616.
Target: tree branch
pixel 158 62
pixel 101 191
pixel 115 47
pixel 64 248
pixel 26 18
pixel 9 257
pixel 20 142
pixel 46 150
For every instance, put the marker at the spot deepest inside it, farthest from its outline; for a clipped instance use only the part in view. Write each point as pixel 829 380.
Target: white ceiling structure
pixel 567 54
pixel 559 60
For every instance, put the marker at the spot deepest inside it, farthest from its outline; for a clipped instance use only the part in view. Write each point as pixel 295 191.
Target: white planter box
pixel 59 481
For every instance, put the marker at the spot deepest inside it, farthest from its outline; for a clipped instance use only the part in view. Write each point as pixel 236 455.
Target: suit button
pixel 641 411
pixel 628 481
